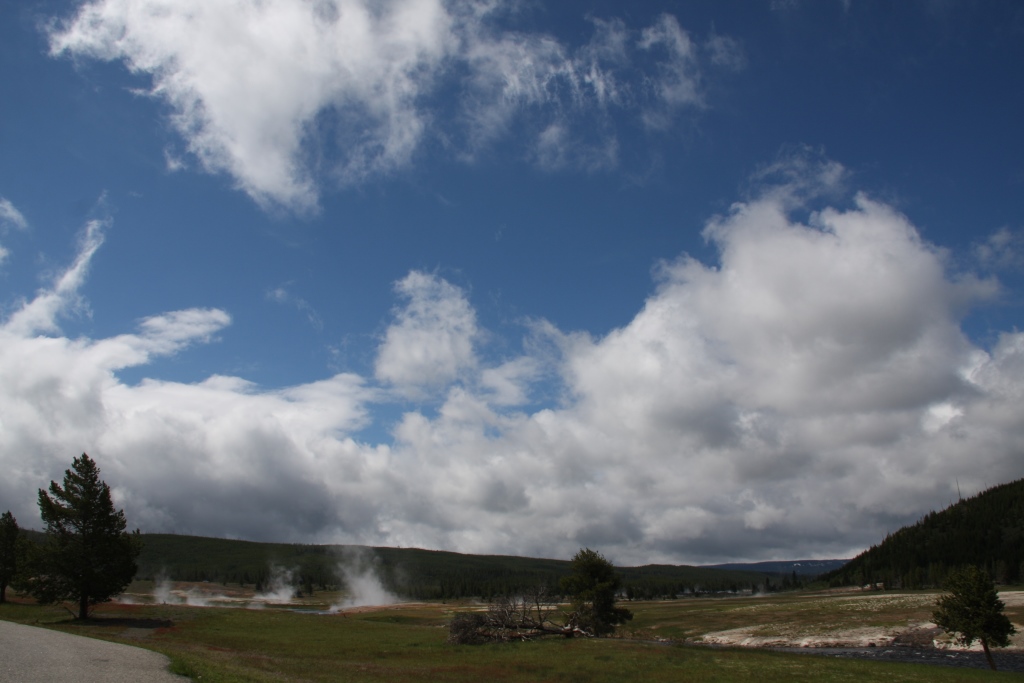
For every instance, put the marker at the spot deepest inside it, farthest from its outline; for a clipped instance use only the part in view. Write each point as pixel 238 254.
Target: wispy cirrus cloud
pixel 282 295
pixel 255 88
pixel 1002 250
pixel 10 217
pixel 41 313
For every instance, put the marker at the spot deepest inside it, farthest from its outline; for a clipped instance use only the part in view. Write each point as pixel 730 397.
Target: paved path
pixel 29 654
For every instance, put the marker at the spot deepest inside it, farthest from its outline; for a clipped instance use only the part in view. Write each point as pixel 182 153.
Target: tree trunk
pixel 83 607
pixel 988 655
pixel 3 592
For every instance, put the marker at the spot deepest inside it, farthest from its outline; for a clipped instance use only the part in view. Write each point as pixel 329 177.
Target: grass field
pixel 800 619
pixel 408 642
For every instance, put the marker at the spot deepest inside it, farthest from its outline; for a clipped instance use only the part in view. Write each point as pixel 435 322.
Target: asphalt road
pixel 37 655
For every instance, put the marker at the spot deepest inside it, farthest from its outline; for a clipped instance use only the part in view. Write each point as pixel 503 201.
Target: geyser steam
pixel 281 589
pixel 359 568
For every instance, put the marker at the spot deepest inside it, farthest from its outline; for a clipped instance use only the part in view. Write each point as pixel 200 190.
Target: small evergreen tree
pixel 973 611
pixel 87 555
pixel 592 586
pixel 9 551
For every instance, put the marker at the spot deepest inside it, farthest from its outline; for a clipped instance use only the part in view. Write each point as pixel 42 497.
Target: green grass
pixel 408 643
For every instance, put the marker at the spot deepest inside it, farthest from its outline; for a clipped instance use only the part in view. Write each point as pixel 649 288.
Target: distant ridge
pixel 803 568
pixel 410 572
pixel 986 530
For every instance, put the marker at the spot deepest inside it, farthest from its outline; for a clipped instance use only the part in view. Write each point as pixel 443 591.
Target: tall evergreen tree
pixel 9 533
pixel 88 555
pixel 973 611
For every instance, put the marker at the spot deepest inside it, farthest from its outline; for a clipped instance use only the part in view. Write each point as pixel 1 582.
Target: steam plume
pixel 359 570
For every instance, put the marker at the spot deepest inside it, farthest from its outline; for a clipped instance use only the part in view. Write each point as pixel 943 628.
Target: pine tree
pixel 973 611
pixel 592 587
pixel 87 555
pixel 9 533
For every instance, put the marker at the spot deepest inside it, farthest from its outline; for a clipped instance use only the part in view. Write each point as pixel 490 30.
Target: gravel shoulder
pixel 30 654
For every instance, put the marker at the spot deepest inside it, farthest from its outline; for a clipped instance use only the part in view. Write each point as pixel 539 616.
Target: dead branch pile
pixel 507 619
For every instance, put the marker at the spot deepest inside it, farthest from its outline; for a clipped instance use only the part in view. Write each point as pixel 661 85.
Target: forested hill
pixel 408 572
pixel 802 568
pixel 986 530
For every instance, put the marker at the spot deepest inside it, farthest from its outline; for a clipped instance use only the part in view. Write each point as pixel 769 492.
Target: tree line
pixel 419 574
pixel 87 555
pixel 985 531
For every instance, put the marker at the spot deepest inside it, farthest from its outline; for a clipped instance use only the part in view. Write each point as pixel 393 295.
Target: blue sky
pixel 690 282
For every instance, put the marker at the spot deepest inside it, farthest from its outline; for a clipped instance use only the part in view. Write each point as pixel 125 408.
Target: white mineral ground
pixel 783 634
pixel 206 594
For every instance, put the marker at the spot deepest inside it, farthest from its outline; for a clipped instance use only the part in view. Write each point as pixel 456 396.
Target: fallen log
pixel 510 619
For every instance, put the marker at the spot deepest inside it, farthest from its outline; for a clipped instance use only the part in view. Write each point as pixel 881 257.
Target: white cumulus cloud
pixel 800 396
pixel 430 343
pixel 251 82
pixel 804 393
pixel 220 456
pixel 283 95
